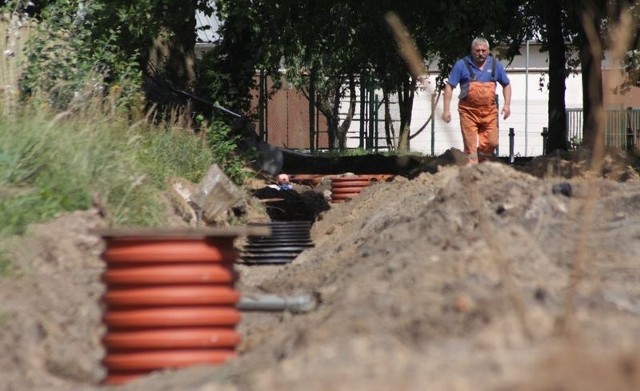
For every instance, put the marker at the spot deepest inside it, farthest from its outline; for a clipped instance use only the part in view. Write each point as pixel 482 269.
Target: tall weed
pixel 49 165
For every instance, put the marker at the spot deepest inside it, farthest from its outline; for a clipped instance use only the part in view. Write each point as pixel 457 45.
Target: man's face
pixel 480 53
pixel 283 179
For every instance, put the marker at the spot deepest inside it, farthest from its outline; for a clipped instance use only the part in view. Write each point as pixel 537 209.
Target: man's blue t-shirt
pixel 460 73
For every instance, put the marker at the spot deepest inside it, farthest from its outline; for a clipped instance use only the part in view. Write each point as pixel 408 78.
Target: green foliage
pixel 85 48
pixel 227 71
pixel 631 64
pixel 67 62
pixel 34 174
pixel 224 147
pixel 179 152
pixel 575 143
pixel 85 61
pixel 49 166
pixel 168 153
pixel 341 41
pixel 226 87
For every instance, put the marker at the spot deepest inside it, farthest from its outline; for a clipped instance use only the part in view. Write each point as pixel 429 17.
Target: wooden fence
pixel 14 33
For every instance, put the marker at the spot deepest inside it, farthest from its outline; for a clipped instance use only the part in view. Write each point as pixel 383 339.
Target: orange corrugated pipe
pixel 344 188
pixel 169 303
pixel 312 180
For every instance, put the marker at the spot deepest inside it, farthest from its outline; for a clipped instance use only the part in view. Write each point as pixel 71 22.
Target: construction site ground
pixel 490 277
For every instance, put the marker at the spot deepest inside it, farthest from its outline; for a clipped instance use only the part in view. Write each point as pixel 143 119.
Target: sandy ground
pixel 460 278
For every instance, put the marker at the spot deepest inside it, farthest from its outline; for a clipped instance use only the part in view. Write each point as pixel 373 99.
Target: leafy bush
pixel 102 146
pixel 50 167
pixel 67 63
pixel 224 148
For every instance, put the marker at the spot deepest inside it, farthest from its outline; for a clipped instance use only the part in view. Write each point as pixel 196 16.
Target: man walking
pixel 477 75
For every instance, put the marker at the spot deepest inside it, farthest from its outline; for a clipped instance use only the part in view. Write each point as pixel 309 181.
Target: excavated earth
pixel 492 277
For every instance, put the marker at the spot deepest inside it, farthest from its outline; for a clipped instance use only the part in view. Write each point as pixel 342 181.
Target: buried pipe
pixel 269 302
pixel 170 299
pixel 346 187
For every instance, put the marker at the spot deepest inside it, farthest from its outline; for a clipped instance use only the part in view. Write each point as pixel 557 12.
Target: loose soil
pixel 491 277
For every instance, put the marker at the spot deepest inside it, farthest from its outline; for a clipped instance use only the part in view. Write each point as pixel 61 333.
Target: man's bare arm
pixel 506 109
pixel 446 112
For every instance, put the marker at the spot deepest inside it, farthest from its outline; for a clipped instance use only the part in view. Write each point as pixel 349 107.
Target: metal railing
pixel 622 127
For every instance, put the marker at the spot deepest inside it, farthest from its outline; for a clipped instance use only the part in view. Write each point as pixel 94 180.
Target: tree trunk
pixel 175 57
pixel 325 104
pixel 312 108
pixel 332 129
pixel 235 60
pixel 389 132
pixel 592 90
pixel 557 138
pixel 344 127
pixel 405 100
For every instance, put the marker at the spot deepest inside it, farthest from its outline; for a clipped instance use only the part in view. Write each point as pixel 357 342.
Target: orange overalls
pixel 479 118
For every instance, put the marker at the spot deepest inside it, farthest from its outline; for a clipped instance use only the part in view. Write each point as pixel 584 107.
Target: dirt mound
pixel 439 281
pixel 483 277
pixel 49 311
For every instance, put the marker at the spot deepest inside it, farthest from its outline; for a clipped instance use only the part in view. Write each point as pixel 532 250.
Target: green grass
pixel 51 165
pixel 7 264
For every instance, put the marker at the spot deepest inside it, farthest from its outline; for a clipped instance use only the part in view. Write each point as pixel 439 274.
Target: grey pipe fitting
pixel 270 302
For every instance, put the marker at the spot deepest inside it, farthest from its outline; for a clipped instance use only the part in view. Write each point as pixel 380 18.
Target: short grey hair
pixel 479 40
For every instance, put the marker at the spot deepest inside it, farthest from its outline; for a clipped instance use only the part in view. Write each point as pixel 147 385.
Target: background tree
pixel 324 43
pixel 553 22
pixel 227 72
pixel 343 42
pixel 590 17
pixel 631 60
pixel 111 41
pixel 567 28
pixel 339 43
pixel 443 31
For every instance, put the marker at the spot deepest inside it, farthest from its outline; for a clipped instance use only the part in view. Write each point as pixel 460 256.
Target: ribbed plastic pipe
pixel 312 180
pixel 169 301
pixel 344 188
pixel 287 240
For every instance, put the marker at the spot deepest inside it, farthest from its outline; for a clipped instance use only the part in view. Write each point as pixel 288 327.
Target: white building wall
pixel 207 27
pixel 528 110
